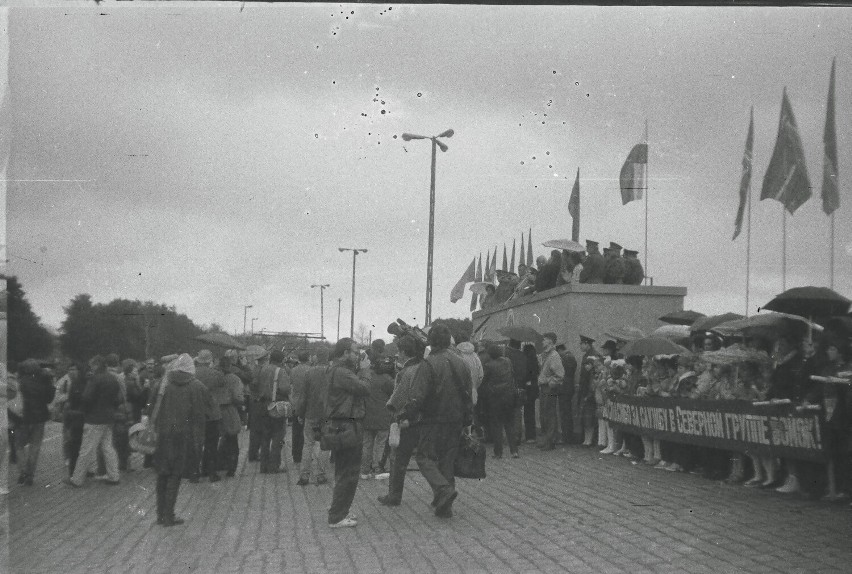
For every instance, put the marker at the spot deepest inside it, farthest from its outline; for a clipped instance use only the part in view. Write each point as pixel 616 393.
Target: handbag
pixel 470 458
pixel 393 435
pixel 143 436
pixel 338 434
pixel 278 409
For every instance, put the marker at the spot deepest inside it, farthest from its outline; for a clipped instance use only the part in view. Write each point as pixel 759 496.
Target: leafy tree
pixel 27 336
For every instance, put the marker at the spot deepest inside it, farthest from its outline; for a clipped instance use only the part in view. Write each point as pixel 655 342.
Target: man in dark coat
pixel 440 400
pixel 634 274
pixel 519 373
pixel 498 384
pixel 37 389
pixel 214 382
pixel 614 269
pixel 272 384
pixel 593 264
pixel 566 395
pixel 549 272
pixel 180 421
pixel 586 406
pixel 309 406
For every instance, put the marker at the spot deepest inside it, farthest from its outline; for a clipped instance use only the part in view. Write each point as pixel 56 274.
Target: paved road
pixel 567 510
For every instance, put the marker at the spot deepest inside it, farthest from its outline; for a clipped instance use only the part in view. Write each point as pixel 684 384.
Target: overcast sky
pixel 211 156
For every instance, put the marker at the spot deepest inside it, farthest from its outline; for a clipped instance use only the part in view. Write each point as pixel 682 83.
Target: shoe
pixel 28 481
pixel 215 477
pixel 516 455
pixel 366 476
pixel 607 450
pixel 837 497
pixel 674 467
pixel 70 482
pixel 22 479
pixel 303 481
pixel 172 521
pixel 111 482
pixel 388 501
pixel 530 440
pixel 445 502
pixel 382 476
pixel 446 513
pixel 230 474
pixel 753 482
pixel 345 523
pixel 322 480
pixel 3 491
pixel 790 486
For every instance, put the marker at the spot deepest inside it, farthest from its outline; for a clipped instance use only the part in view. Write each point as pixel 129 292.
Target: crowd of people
pixel 378 409
pixel 565 267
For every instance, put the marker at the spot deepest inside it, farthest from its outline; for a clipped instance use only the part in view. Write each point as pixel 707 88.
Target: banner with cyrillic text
pixel 774 430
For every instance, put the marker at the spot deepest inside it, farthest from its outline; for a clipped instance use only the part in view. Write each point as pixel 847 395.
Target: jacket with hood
pixel 467 352
pixel 180 423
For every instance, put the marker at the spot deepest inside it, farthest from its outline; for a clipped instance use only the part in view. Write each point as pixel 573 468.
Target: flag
pixel 494 266
pixel 633 174
pixel 467 277
pixel 786 178
pixel 474 297
pixel 745 180
pixel 830 193
pixel 522 260
pixel 512 264
pixel 574 208
pixel 530 260
pixel 505 261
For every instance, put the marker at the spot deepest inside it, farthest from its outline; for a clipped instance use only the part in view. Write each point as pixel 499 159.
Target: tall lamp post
pixel 322 320
pixel 355 253
pixel 253 319
pixel 245 314
pixel 435 144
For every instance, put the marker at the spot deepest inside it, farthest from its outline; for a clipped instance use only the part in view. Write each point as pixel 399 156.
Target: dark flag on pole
pixel 512 262
pixel 473 296
pixel 745 180
pixel 530 260
pixel 633 177
pixel 505 259
pixel 522 260
pixel 786 178
pixel 467 277
pixel 574 208
pixel 830 193
pixel 493 277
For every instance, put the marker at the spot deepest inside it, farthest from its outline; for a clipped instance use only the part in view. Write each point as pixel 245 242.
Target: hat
pixel 587 340
pixel 629 253
pixel 590 243
pixel 610 344
pixel 551 335
pixel 184 364
pixel 614 246
pixel 205 357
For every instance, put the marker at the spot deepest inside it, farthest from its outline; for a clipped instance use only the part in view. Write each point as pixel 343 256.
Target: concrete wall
pixel 571 310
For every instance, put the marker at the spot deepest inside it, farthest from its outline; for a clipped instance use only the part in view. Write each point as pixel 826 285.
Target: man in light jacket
pixel 549 381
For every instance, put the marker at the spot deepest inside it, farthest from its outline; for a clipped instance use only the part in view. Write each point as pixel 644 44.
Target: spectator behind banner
pixel 593 265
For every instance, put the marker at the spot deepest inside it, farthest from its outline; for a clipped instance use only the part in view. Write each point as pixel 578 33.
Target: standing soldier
pixel 633 274
pixel 585 393
pixel 615 268
pixel 593 265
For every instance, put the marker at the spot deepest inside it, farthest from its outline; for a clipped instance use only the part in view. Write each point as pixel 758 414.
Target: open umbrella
pixel 256 351
pixel 479 287
pixel 625 334
pixel 707 323
pixel 652 346
pixel 685 317
pixel 733 355
pixel 566 244
pixel 676 333
pixel 220 339
pixel 810 302
pixel 766 322
pixel 520 333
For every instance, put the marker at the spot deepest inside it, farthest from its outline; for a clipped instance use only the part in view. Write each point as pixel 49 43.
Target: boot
pixel 790 486
pixel 610 436
pixel 172 487
pixel 737 470
pixel 588 437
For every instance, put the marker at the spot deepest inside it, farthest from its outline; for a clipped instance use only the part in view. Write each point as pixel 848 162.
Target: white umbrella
pixel 566 244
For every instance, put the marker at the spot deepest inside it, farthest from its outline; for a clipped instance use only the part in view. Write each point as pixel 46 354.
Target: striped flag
pixel 786 178
pixel 633 178
pixel 467 277
pixel 830 192
pixel 574 208
pixel 745 180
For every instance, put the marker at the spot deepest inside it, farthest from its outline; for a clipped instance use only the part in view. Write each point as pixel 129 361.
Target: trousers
pixel 436 454
pixel 347 464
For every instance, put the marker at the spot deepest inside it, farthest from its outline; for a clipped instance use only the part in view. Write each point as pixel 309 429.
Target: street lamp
pixel 355 253
pixel 443 146
pixel 253 319
pixel 322 320
pixel 245 314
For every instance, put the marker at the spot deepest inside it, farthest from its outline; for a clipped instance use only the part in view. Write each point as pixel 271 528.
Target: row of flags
pixel 786 179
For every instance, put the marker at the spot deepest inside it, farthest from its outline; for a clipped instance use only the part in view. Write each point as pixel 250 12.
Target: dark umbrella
pixel 223 340
pixel 520 333
pixel 810 302
pixel 652 346
pixel 707 323
pixel 684 317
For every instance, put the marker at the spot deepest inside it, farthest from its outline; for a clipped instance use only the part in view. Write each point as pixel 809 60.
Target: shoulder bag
pixel 470 457
pixel 143 436
pixel 338 434
pixel 278 409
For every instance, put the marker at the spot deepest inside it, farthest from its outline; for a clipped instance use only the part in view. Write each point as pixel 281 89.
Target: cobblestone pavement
pixel 570 510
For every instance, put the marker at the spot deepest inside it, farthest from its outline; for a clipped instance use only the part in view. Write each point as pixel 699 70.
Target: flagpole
pixel 831 258
pixel 748 247
pixel 647 185
pixel 783 248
